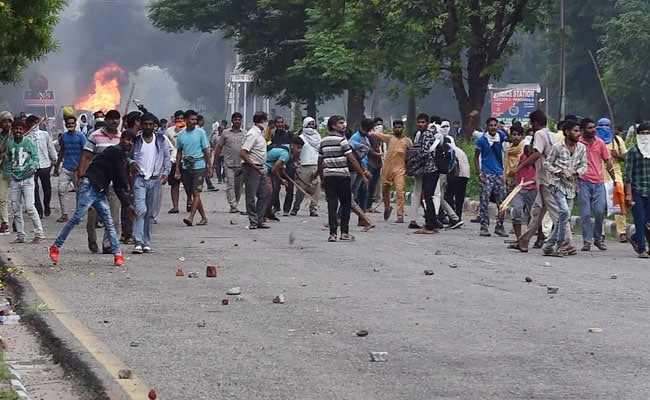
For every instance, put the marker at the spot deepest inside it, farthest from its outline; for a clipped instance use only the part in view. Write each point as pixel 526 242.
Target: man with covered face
pixel 71 146
pixel 307 174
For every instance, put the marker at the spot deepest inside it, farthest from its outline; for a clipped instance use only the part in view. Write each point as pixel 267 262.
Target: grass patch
pixel 9 395
pixel 5 375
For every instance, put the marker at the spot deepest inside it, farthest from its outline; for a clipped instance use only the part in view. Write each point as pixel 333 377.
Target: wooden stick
pixel 301 189
pixel 506 202
pixel 602 86
pixel 126 107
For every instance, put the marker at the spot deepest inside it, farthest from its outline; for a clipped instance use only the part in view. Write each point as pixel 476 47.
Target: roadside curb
pixel 61 352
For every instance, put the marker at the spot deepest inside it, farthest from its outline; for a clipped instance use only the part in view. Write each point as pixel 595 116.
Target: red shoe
pixel 118 259
pixel 54 254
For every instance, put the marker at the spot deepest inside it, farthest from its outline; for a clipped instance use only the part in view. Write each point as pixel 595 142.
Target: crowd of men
pixel 117 174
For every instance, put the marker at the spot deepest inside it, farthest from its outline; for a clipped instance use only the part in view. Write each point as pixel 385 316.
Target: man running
pixel 107 167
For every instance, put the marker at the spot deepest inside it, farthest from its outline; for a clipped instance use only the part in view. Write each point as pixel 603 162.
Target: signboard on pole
pixel 514 101
pixel 241 78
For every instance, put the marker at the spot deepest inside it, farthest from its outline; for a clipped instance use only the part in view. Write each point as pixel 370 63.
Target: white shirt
pixel 255 144
pixel 172 135
pixel 148 152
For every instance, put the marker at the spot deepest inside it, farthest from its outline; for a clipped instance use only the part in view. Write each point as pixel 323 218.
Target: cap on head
pixel 6 115
pixel 604 121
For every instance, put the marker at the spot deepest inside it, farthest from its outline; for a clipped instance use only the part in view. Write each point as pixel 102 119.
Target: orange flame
pixel 106 93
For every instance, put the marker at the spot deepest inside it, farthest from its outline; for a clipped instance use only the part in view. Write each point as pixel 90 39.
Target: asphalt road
pixel 477 331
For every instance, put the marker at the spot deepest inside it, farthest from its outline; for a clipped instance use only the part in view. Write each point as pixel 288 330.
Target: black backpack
pixel 445 157
pixel 415 160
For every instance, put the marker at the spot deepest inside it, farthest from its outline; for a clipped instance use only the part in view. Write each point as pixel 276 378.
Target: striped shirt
pixel 99 141
pixel 334 150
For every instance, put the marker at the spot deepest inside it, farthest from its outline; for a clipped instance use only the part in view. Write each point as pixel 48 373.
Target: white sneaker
pixel 146 249
pixel 137 249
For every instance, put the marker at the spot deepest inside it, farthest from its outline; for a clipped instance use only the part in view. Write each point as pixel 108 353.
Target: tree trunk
pixel 470 100
pixel 311 106
pixel 411 123
pixel 356 107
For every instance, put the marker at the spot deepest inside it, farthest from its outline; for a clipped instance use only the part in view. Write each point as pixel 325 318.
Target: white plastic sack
pixel 609 195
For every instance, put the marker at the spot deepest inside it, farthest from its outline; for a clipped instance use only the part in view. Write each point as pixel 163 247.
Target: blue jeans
pixel 146 195
pixel 591 198
pixel 372 186
pixel 641 213
pixel 88 197
pixel 564 213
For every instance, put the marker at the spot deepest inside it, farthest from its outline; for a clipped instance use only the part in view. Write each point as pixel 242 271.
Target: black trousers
pixel 455 194
pixel 337 189
pixel 43 174
pixel 429 182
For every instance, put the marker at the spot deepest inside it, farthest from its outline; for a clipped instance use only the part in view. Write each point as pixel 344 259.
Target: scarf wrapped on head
pixel 604 131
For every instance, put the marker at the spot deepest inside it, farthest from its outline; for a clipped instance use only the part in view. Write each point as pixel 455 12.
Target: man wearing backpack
pixel 416 196
pixel 488 159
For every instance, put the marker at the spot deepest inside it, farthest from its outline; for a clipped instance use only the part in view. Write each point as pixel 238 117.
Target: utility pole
pixel 562 64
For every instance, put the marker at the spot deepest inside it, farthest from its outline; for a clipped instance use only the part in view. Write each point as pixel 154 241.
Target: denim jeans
pixel 641 213
pixel 372 187
pixel 591 199
pixel 86 198
pixel 146 195
pixel 94 217
pixel 359 190
pixel 564 212
pixel 25 189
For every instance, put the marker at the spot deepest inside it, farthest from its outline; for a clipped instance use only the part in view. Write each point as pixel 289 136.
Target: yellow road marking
pixel 134 387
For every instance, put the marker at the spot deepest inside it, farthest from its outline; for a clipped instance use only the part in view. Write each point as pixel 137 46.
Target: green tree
pixel 477 37
pixel 343 49
pixel 269 36
pixel 27 28
pixel 584 29
pixel 625 56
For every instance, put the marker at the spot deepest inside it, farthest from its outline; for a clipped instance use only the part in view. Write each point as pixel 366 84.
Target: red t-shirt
pixel 596 153
pixel 526 174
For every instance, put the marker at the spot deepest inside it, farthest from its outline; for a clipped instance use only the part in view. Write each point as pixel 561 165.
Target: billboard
pixel 514 101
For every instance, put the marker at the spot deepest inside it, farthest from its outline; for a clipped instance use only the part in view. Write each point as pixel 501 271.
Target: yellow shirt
pixel 620 147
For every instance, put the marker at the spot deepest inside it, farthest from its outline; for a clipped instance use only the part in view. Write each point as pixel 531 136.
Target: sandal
pixel 425 231
pixel 367 228
pixel 517 246
pixel 187 222
pixel 203 222
pixel 63 218
pixel 173 211
pixel 643 255
pixel 17 241
pixel 332 238
pixel 559 252
pixel 571 250
pixel 346 237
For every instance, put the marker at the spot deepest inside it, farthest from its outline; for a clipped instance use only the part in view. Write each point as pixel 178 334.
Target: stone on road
pixel 471 333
